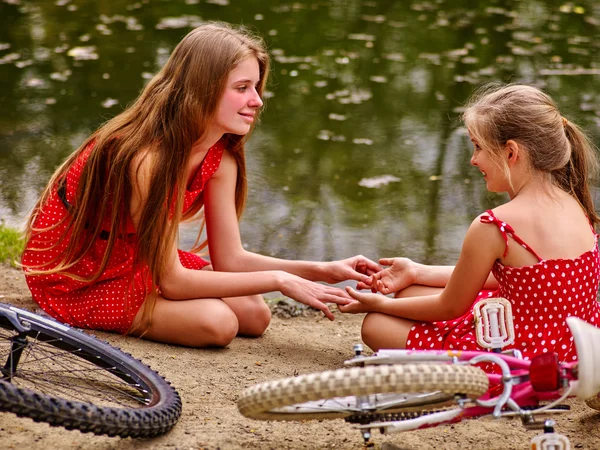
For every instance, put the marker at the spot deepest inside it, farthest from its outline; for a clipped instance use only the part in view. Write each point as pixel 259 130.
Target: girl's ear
pixel 511 151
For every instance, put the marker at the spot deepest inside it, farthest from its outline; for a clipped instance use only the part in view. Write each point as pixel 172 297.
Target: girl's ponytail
pixel 582 167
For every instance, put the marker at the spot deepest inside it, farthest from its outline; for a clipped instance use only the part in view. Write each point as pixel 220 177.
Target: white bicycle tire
pixel 299 398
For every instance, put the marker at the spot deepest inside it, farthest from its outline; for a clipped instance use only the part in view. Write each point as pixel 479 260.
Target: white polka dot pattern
pixel 542 297
pixel 111 302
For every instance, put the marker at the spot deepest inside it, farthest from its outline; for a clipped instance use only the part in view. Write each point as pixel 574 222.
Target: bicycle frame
pixel 512 390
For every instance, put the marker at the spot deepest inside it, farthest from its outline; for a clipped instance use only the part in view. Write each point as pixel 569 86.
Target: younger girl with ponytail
pixel 539 250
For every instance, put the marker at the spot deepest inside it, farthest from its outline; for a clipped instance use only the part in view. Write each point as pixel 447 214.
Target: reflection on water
pixel 359 149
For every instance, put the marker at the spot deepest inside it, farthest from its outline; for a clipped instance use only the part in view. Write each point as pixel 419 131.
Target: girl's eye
pixel 242 88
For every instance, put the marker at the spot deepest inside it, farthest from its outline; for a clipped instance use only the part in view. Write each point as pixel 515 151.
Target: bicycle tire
pixel 68 378
pixel 594 402
pixel 337 393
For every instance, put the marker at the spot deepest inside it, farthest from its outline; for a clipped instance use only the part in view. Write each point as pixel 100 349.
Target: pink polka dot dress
pixel 542 296
pixel 113 300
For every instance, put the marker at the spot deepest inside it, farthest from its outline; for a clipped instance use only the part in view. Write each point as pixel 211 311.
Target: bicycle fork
pixel 17 345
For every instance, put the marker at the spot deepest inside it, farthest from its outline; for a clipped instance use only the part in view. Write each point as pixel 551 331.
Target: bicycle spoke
pixel 50 369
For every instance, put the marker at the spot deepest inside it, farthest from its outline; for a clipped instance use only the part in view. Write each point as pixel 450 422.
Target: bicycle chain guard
pixel 494 323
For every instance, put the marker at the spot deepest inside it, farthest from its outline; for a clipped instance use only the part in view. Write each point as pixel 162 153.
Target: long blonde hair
pixel 528 116
pixel 172 112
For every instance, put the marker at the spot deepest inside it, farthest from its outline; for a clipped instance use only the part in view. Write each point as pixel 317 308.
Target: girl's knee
pixel 222 329
pixel 256 320
pixel 370 330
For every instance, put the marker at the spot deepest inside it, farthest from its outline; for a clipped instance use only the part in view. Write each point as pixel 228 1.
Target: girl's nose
pixel 473 161
pixel 255 101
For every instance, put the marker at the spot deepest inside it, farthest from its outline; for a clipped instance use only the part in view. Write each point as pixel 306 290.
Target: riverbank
pixel 209 382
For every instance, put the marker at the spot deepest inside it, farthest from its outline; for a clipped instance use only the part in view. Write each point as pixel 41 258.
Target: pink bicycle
pixel 400 390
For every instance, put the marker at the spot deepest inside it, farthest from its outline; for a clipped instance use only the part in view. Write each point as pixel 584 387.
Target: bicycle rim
pixel 67 378
pixel 364 392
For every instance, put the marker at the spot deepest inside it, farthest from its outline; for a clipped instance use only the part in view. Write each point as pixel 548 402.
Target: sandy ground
pixel 209 382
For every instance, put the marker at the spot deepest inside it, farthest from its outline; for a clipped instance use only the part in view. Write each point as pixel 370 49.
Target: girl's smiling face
pixel 239 104
pixel 493 174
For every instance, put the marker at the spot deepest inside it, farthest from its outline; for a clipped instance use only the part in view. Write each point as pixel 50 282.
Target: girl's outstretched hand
pixel 356 268
pixel 401 273
pixel 363 303
pixel 314 294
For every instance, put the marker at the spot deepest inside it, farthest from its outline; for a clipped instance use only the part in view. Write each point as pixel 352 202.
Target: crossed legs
pixel 385 331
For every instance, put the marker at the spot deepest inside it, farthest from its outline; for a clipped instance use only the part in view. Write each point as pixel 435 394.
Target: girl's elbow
pixel 170 287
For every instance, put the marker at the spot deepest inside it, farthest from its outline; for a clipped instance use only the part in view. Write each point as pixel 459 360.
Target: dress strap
pixel 506 231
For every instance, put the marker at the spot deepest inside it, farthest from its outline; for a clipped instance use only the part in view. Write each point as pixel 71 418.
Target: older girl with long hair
pixel 539 250
pixel 101 247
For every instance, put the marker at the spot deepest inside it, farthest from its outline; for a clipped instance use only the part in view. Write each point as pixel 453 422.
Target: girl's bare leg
pixel 385 331
pixel 205 322
pixel 253 314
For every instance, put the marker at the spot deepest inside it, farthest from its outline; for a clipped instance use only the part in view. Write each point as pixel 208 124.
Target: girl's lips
pixel 247 117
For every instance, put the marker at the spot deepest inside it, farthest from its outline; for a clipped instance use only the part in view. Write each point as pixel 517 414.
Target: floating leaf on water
pixel 60 76
pixel 218 2
pixel 469 60
pixel 258 17
pixel 103 29
pixel 109 102
pixel 293 59
pixel 433 58
pixel 34 82
pixel 376 19
pixel 377 182
pixel 361 37
pixel 10 57
pixel 179 22
pixel 22 64
pixel 435 177
pixel 378 79
pixel 394 57
pixel 147 75
pixel 4 46
pixel 339 117
pixel 83 53
pixel 326 135
pixel 578 51
pixel 342 60
pixel 272 32
pixel 320 83
pixel 362 141
pixel 50 101
pixel 575 71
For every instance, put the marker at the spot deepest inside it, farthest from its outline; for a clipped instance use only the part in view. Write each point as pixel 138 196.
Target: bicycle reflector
pixel 544 372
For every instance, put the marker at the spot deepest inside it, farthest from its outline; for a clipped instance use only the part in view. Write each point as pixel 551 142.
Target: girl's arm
pixel 180 283
pixel 481 247
pixel 228 254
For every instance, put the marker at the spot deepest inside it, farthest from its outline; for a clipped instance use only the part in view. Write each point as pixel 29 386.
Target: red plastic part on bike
pixel 544 372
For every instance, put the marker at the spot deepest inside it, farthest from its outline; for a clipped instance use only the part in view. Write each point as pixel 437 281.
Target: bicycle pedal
pixel 549 439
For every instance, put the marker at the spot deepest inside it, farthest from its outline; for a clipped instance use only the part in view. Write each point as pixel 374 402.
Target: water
pixel 359 149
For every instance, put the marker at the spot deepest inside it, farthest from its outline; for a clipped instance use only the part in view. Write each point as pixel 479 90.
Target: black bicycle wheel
pixel 53 373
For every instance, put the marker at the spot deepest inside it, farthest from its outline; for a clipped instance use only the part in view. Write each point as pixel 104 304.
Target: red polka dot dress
pixel 542 296
pixel 112 302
